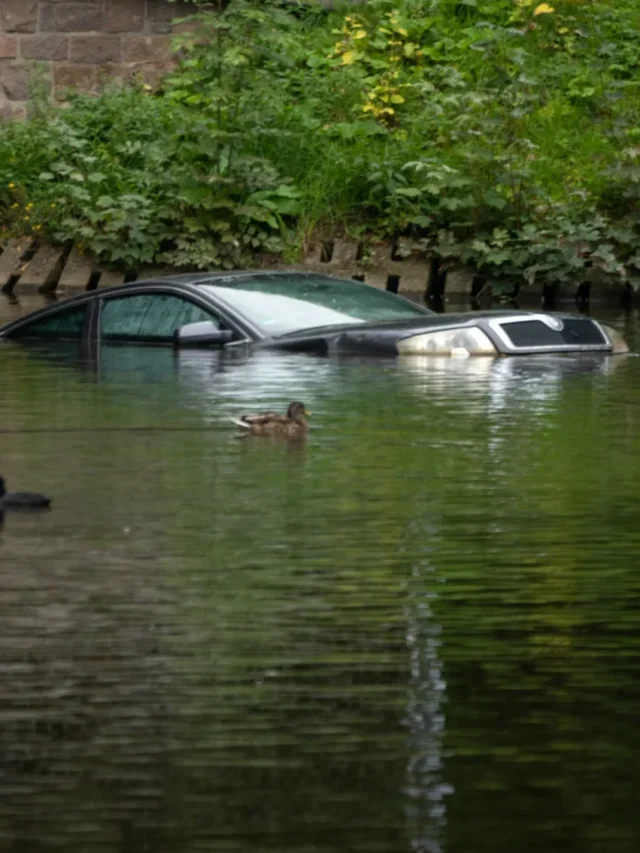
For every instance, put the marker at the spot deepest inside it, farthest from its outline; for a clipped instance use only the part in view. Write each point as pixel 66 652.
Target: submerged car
pixel 304 312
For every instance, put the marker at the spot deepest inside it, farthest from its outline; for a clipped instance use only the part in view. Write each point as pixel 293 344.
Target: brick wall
pixel 81 43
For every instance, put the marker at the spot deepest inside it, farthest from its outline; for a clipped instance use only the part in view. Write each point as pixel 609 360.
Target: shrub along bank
pixel 503 134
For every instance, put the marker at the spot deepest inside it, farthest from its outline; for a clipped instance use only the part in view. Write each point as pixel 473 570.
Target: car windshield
pixel 281 304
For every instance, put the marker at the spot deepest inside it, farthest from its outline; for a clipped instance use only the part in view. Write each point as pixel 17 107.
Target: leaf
pixel 315 61
pixel 195 194
pixel 497 258
pixel 46 176
pixel 543 9
pixel 452 203
pixel 421 220
pixel 483 44
pixel 408 192
pixel 396 99
pixel 360 34
pixel 350 56
pixel 493 199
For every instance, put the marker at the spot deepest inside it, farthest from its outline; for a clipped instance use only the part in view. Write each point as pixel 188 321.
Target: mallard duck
pixel 21 500
pixel 291 425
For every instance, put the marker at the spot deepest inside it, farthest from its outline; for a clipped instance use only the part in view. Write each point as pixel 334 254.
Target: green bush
pixel 135 178
pixel 500 133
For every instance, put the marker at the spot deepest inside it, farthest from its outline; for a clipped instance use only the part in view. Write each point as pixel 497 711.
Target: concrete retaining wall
pixel 27 267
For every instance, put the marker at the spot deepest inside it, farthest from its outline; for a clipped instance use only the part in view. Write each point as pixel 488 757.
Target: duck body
pixel 292 425
pixel 21 500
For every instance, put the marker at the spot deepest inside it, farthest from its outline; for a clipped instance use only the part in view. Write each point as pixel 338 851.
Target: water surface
pixel 417 632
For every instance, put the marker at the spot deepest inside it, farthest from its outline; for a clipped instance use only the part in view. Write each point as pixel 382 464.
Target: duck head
pixel 296 411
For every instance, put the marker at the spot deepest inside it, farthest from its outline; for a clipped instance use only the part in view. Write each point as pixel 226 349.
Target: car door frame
pixel 189 294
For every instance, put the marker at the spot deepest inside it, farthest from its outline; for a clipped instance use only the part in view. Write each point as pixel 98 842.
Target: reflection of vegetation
pixel 499 133
pixel 448 544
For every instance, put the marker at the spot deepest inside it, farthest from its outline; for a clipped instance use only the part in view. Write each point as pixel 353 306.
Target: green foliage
pixel 500 133
pixel 136 177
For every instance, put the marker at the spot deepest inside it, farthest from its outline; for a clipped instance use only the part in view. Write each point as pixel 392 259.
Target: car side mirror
pixel 205 333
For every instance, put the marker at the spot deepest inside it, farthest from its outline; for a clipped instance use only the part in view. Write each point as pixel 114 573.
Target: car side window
pixel 149 316
pixel 66 324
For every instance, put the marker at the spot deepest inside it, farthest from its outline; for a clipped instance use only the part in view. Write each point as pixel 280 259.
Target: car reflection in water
pixel 533 377
pixel 237 372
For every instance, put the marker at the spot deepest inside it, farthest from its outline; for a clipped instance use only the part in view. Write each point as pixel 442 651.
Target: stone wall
pixel 81 44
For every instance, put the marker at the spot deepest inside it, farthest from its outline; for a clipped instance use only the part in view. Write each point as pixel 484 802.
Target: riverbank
pixel 28 267
pixel 501 140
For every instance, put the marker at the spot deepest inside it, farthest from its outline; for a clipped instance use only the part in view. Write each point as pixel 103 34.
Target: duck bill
pixel 307 413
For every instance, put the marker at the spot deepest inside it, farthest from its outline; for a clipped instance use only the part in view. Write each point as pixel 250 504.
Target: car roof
pixel 186 280
pixel 212 277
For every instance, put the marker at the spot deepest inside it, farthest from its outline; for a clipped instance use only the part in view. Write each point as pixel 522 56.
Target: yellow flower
pixel 349 57
pixel 12 186
pixel 53 205
pixel 37 227
pixel 543 9
pixel 27 218
pixel 15 206
pixel 29 206
pixel 360 34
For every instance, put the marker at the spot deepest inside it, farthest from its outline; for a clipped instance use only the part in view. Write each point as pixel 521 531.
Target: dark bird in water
pixel 21 500
pixel 292 425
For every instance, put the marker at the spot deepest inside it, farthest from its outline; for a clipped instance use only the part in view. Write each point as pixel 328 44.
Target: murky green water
pixel 419 632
